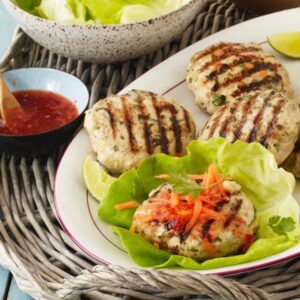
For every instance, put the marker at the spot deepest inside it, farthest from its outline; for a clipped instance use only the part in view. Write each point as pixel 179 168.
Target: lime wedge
pixel 96 178
pixel 287 43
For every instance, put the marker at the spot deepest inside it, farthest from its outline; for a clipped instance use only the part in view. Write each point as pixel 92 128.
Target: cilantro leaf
pixel 281 225
pixel 219 100
pixel 274 220
pixel 182 185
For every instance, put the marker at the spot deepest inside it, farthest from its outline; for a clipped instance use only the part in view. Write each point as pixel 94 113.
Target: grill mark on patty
pixel 246 73
pixel 219 205
pixel 205 228
pixel 129 125
pixel 234 212
pixel 183 236
pixel 229 120
pixel 187 120
pixel 210 50
pixel 111 117
pixel 257 120
pixel 245 113
pixel 164 143
pixel 272 124
pixel 175 125
pixel 227 52
pixel 146 128
pixel 216 121
pixel 222 68
pixel 246 88
pixel 162 131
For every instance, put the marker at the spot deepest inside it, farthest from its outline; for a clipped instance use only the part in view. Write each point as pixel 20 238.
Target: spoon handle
pixel 7 100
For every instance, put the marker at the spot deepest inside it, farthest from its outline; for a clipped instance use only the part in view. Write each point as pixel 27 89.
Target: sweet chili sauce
pixel 41 111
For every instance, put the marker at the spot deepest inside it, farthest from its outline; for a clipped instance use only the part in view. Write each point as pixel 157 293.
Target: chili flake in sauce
pixel 41 111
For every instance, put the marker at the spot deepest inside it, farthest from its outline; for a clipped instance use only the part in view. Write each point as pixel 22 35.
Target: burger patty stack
pixel 248 93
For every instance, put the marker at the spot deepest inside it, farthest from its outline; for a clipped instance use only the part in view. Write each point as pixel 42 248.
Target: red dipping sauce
pixel 42 111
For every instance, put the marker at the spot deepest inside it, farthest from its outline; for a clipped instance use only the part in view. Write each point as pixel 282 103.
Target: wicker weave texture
pixel 43 259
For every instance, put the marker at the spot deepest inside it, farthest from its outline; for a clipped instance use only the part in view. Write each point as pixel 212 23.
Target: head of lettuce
pixel 252 166
pixel 100 11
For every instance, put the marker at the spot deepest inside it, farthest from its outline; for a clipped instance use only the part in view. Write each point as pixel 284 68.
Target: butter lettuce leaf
pixel 29 5
pixel 99 11
pixel 146 255
pixel 252 166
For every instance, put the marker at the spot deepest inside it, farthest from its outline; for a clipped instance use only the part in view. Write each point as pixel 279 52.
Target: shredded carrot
pixel 196 214
pixel 167 205
pixel 212 174
pixel 174 199
pixel 205 182
pixel 185 213
pixel 190 199
pixel 195 176
pixel 126 205
pixel 162 176
pixel 213 214
pixel 209 201
pixel 133 226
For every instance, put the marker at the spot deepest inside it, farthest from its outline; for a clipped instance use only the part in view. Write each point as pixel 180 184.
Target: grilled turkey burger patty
pixel 267 117
pixel 125 129
pixel 208 238
pixel 220 73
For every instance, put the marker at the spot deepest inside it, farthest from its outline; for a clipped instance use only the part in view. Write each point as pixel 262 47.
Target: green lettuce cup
pixel 268 187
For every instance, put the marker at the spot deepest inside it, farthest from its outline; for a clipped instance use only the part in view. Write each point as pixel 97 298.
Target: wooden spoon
pixel 7 102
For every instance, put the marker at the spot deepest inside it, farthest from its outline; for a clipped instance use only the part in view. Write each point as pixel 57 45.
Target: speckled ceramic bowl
pixel 105 43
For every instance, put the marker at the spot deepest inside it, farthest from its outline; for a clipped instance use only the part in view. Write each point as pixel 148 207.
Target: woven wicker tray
pixel 45 262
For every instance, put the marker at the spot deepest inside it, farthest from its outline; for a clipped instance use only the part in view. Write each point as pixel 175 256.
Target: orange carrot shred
pixel 196 213
pixel 185 213
pixel 204 182
pixel 126 205
pixel 166 204
pixel 195 176
pixel 209 201
pixel 212 174
pixel 190 199
pixel 174 199
pixel 212 213
pixel 133 226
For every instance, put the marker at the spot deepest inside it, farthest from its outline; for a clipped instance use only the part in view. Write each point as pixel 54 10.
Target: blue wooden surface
pixel 5 278
pixel 8 286
pixel 7 28
pixel 14 292
pixel 9 289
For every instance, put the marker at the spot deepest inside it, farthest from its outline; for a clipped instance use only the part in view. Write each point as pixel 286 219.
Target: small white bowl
pixel 51 80
pixel 105 43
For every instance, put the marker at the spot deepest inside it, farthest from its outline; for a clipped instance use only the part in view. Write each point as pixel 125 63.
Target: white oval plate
pixel 77 211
